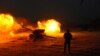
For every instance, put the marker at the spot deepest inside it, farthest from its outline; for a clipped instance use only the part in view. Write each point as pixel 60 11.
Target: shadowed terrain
pixel 83 44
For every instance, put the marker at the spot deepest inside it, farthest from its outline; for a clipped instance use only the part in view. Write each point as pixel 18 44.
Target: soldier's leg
pixel 69 47
pixel 65 44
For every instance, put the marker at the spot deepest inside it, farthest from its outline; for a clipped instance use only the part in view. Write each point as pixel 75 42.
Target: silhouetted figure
pixel 67 42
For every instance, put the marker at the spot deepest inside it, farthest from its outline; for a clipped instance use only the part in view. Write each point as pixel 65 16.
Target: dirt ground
pixel 83 44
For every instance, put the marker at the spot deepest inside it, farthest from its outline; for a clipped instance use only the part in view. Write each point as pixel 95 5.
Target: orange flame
pixel 8 28
pixel 6 22
pixel 51 26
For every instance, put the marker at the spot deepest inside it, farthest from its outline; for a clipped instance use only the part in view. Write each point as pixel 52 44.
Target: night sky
pixel 70 11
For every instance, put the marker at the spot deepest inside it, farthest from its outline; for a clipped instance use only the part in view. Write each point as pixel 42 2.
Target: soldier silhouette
pixel 67 42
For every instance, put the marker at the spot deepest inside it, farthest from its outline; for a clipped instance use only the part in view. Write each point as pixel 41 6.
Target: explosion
pixel 6 22
pixel 10 29
pixel 51 26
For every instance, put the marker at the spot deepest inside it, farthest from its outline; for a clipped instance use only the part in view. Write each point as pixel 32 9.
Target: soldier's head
pixel 67 30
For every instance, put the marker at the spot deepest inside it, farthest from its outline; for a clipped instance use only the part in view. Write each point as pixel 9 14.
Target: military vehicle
pixel 37 34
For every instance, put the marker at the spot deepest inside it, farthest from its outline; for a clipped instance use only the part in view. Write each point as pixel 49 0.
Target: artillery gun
pixel 37 34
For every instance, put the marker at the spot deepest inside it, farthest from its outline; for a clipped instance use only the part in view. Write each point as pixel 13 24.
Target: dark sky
pixel 71 11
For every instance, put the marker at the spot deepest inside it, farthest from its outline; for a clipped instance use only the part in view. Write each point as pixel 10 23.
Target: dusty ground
pixel 83 44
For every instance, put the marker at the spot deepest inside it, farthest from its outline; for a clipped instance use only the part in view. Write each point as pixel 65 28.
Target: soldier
pixel 67 42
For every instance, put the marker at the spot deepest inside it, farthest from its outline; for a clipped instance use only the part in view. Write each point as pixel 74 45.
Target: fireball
pixel 6 22
pixel 51 26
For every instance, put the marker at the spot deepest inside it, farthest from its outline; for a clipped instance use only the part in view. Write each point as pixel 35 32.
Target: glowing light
pixel 51 26
pixel 6 22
